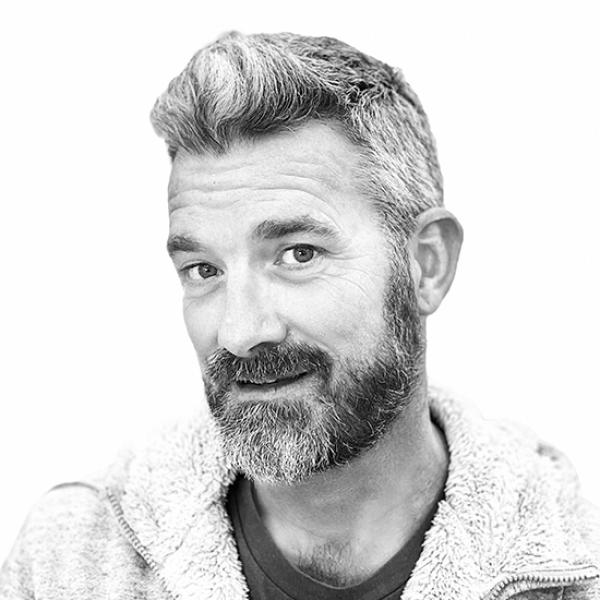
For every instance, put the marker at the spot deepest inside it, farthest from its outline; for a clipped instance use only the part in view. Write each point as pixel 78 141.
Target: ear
pixel 435 247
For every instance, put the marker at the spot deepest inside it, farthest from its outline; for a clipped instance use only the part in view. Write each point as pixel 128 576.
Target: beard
pixel 348 407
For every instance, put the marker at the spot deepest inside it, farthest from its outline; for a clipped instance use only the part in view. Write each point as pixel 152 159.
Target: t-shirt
pixel 271 577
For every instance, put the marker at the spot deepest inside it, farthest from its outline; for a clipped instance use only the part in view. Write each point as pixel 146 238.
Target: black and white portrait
pixel 300 303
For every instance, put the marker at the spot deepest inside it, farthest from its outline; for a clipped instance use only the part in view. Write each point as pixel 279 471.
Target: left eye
pixel 298 255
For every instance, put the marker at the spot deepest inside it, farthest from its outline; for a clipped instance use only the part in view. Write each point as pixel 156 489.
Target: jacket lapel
pixel 174 502
pixel 509 517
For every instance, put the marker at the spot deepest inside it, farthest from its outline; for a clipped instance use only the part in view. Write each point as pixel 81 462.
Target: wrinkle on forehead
pixel 312 158
pixel 293 202
pixel 234 185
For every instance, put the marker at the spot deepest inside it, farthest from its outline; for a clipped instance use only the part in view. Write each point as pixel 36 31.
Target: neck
pixel 376 502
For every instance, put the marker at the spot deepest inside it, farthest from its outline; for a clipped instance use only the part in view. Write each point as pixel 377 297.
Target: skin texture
pixel 242 292
pixel 267 295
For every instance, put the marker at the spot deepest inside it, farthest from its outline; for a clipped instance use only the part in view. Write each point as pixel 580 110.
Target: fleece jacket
pixel 511 524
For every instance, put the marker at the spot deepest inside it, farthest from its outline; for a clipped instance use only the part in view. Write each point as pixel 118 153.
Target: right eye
pixel 200 271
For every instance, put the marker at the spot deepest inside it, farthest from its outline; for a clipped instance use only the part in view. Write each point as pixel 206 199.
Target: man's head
pixel 242 87
pixel 303 223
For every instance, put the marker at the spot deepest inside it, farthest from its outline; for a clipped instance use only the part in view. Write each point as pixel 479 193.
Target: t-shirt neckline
pixel 387 580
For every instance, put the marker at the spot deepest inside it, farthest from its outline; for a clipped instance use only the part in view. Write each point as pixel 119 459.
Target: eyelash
pixel 187 270
pixel 318 253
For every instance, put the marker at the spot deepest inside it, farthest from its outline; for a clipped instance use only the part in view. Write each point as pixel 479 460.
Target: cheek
pixel 339 315
pixel 200 321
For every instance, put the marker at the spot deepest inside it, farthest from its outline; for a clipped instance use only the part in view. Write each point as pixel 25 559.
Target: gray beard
pixel 275 443
pixel 354 406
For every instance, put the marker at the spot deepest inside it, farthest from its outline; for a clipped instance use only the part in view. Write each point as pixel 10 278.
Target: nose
pixel 249 319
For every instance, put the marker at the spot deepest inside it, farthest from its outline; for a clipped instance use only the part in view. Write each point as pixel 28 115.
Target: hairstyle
pixel 244 86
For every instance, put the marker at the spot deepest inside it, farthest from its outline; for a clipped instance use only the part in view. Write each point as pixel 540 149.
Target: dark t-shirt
pixel 271 577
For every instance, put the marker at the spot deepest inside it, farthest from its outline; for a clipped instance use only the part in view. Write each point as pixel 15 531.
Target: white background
pixel 93 349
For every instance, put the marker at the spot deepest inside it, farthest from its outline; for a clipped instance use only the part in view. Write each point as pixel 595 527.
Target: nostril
pixel 262 346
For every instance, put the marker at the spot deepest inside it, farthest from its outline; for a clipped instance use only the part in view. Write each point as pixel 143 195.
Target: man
pixel 307 227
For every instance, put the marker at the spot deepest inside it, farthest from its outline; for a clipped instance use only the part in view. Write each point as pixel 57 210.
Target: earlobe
pixel 436 247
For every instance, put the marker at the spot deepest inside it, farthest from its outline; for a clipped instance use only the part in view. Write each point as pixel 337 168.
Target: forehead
pixel 318 153
pixel 309 171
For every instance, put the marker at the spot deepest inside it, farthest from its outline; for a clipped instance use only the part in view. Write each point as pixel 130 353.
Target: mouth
pixel 269 384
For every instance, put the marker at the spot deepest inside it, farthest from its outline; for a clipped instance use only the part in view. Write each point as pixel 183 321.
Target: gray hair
pixel 241 87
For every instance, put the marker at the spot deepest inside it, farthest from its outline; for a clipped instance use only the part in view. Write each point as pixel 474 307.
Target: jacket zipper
pixel 135 542
pixel 533 581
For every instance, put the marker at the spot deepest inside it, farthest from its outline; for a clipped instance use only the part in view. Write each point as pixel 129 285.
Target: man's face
pixel 289 299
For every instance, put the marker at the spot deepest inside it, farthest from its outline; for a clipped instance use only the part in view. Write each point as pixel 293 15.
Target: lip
pixel 275 385
pixel 286 387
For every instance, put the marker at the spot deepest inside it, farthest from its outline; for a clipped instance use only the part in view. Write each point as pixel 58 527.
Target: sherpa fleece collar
pixel 510 513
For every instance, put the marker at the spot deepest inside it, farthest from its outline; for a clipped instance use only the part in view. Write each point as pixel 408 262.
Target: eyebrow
pixel 270 229
pixel 183 243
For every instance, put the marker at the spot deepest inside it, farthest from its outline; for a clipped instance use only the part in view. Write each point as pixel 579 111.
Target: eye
pixel 299 254
pixel 200 271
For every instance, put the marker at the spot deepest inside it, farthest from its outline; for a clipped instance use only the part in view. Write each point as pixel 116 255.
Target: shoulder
pixel 511 457
pixel 65 513
pixel 73 538
pixel 504 449
pixel 63 537
pixel 503 474
pixel 66 509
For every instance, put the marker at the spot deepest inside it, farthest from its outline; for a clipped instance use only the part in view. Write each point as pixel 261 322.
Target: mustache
pixel 269 363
